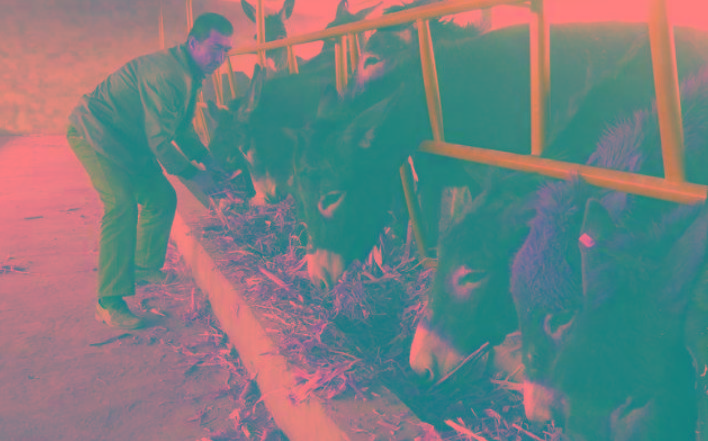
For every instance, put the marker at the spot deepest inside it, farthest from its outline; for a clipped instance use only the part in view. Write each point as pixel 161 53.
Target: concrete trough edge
pixel 313 419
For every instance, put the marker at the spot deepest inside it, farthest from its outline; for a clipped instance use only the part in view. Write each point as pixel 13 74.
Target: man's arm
pixel 162 104
pixel 190 144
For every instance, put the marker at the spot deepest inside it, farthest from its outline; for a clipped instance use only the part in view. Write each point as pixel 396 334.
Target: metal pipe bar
pixel 413 209
pixel 540 56
pixel 354 51
pixel 340 62
pixel 200 121
pixel 650 186
pixel 232 86
pixel 260 32
pixel 421 12
pixel 218 87
pixel 432 95
pixel 292 61
pixel 430 79
pixel 161 28
pixel 190 15
pixel 668 101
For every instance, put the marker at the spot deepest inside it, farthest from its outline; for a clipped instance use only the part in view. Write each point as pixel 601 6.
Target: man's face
pixel 210 53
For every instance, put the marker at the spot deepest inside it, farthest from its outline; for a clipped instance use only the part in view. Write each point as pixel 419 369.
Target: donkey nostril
pixel 425 378
pixel 428 375
pixel 321 281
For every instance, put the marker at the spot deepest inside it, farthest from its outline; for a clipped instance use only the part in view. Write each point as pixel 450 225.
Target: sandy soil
pixel 65 376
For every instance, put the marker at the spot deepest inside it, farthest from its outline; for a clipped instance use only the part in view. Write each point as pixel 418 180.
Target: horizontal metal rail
pixel 396 18
pixel 650 186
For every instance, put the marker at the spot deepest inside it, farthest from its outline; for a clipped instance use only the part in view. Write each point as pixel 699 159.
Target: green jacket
pixel 133 116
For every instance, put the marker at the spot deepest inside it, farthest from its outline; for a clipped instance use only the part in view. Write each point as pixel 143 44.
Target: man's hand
pixel 213 166
pixel 205 182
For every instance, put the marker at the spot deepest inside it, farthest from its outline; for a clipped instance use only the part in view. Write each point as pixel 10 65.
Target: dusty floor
pixel 63 375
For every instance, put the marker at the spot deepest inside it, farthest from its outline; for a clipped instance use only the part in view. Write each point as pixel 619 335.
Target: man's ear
pixel 191 42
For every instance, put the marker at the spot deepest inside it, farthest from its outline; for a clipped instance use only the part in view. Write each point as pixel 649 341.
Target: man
pixel 119 132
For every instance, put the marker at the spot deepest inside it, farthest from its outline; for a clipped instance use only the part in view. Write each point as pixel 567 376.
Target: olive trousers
pixel 138 211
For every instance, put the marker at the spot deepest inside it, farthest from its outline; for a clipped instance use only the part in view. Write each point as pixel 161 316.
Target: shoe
pixel 145 277
pixel 114 312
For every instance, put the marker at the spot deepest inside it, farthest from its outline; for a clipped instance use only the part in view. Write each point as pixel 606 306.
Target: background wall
pixel 53 51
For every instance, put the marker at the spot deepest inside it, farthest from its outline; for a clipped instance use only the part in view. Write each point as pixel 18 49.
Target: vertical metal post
pixel 668 100
pixel 413 209
pixel 292 61
pixel 232 86
pixel 430 79
pixel 432 94
pixel 161 28
pixel 201 121
pixel 540 51
pixel 190 16
pixel 340 62
pixel 218 87
pixel 260 32
pixel 354 51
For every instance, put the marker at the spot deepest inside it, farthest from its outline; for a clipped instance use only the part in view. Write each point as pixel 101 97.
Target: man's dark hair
pixel 210 21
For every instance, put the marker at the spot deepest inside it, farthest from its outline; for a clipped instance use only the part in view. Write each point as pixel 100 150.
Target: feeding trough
pixel 257 333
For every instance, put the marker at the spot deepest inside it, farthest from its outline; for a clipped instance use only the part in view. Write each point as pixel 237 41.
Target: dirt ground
pixel 65 376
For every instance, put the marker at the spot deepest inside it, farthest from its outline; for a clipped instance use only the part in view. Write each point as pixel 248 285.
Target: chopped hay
pixel 8 267
pixel 338 341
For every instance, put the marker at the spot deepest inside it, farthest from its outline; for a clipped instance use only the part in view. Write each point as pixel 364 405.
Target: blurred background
pixel 53 51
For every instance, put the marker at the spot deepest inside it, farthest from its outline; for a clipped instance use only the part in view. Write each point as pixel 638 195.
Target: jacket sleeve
pixel 189 142
pixel 163 104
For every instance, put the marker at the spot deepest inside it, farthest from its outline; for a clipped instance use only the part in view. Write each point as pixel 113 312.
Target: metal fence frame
pixel 672 187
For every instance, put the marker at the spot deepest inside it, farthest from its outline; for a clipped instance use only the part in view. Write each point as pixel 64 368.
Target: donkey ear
pixel 253 95
pixel 249 10
pixel 363 128
pixel 365 12
pixel 214 111
pixel 342 10
pixel 597 223
pixel 235 104
pixel 684 263
pixel 287 9
pixel 328 102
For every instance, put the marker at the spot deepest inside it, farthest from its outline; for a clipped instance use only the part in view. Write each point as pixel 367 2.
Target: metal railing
pixel 672 187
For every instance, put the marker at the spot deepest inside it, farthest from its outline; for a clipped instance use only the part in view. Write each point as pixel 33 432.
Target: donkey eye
pixel 474 277
pixel 556 325
pixel 463 281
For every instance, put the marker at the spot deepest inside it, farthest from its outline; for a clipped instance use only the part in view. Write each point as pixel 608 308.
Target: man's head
pixel 209 41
